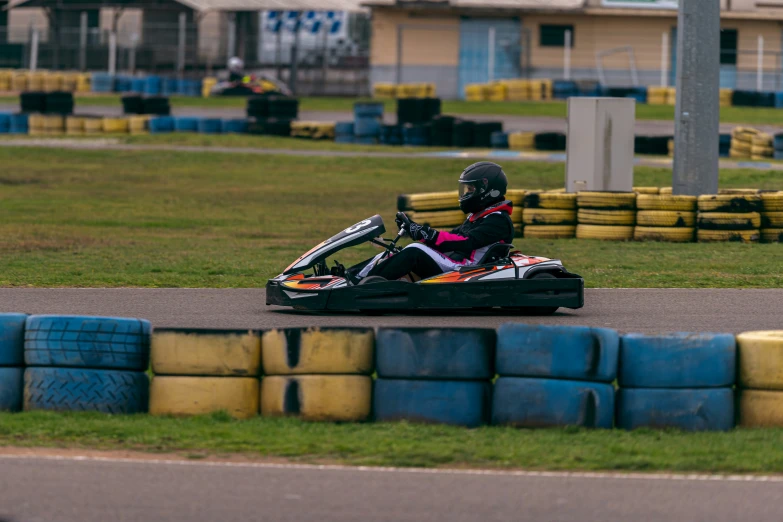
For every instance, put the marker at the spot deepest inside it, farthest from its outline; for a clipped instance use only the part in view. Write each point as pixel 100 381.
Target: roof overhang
pixel 202 6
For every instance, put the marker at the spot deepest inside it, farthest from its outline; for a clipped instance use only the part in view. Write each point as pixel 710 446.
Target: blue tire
pixel 499 140
pixel 564 352
pixel 11 385
pixel 161 124
pixel 366 127
pixel 343 128
pixel 459 403
pixel 368 110
pixel 68 389
pixel 210 125
pixel 681 360
pixel 345 139
pixel 5 123
pixel 706 409
pixel 237 126
pixel 186 124
pixel 87 342
pixel 168 86
pixel 19 124
pixel 12 339
pixel 541 403
pixel 138 85
pixel 365 140
pixel 152 85
pixel 435 353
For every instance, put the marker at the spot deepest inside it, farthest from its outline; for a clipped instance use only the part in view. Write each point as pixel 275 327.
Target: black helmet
pixel 481 185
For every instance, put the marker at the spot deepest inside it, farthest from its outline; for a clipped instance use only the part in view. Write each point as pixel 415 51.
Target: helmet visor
pixel 466 189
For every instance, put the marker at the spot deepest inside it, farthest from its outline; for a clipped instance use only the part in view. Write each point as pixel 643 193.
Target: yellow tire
pixel 318 350
pixel 760 359
pixel 606 217
pixel 548 216
pixel 551 200
pixel 115 125
pixel 181 396
pixel 668 234
pixel 764 152
pixel 550 231
pixel 614 233
pixel 521 141
pixel 730 203
pixel 665 218
pixel 205 352
pixel 138 124
pixel 760 409
pixel 772 201
pixel 772 235
pixel 317 397
pixel 665 191
pixel 93 125
pixel 762 140
pixel 74 126
pixel 606 200
pixel 444 218
pixel 430 201
pixel 646 190
pixel 516 197
pixel 738 154
pixel 738 191
pixel 740 236
pixel 19 82
pixel 35 122
pixel 519 230
pixel 666 202
pixel 728 220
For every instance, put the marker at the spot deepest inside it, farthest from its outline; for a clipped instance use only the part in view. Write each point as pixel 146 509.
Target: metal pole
pixel 398 79
pixel 83 41
pixel 491 50
pixel 664 59
pixel 567 56
pixel 232 36
pixel 293 71
pixel 112 53
pixel 183 19
pixel 132 58
pixel 34 51
pixel 696 126
pixel 760 64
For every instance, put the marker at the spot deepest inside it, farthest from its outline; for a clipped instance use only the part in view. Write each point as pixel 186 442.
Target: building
pixel 453 43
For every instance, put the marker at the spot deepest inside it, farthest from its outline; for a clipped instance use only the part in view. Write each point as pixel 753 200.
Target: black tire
pixel 68 389
pixel 87 342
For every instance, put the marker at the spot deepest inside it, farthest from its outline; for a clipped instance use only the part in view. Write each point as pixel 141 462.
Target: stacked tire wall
pixel 11 361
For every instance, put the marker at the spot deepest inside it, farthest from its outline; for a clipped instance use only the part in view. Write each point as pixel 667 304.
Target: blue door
pixel 728 59
pixel 476 36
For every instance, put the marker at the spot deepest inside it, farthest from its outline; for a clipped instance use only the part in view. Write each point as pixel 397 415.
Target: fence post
pixel 183 19
pixel 83 41
pixel 567 56
pixel 760 64
pixel 491 52
pixel 34 50
pixel 398 79
pixel 664 59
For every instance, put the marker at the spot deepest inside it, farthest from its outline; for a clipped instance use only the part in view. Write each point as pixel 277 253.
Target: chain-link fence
pixel 311 64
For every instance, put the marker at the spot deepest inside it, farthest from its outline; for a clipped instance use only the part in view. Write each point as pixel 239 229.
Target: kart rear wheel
pixel 537 310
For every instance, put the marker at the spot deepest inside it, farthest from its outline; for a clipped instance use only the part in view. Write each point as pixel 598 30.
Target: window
pixel 554 35
pixel 728 47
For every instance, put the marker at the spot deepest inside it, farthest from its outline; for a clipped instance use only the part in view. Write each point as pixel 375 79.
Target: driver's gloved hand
pixel 421 232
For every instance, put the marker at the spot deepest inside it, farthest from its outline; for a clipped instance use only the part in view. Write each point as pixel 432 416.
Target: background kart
pixel 502 278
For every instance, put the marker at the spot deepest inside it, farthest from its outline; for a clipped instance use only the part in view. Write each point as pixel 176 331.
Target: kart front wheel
pixel 537 310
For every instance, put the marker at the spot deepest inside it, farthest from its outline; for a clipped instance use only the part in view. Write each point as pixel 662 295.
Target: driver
pixel 236 68
pixel 482 189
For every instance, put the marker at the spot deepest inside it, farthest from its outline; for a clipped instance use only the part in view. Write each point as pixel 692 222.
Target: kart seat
pixel 495 252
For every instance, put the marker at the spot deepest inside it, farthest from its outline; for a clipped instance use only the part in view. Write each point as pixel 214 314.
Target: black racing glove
pixel 414 230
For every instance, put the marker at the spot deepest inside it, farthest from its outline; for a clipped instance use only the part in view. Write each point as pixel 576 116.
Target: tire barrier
pixel 442 130
pixel 605 232
pixel 482 133
pixel 313 130
pixel 546 375
pixel 391 135
pixel 416 135
pixel 181 396
pixel 186 124
pixel 269 126
pixel 277 107
pixel 458 403
pixel 161 124
pixel 346 398
pixel 417 110
pixel 541 212
pixel 606 217
pixel 462 133
pixel 435 353
pixel 234 126
pixel 297 351
pixel 521 141
pixel 440 219
pixel 116 125
pixel 545 216
pixel 544 403
pixel 772 217
pixel 74 126
pixel 706 409
pixel 390 91
pixel 210 126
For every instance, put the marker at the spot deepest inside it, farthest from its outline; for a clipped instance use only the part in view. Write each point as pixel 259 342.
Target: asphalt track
pixel 94 490
pixel 650 311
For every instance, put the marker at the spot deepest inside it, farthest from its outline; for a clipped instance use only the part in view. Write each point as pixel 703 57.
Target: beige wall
pixel 425 40
pixel 747 40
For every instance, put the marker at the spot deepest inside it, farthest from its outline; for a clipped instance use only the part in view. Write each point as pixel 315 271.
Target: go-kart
pixel 502 278
pixel 252 85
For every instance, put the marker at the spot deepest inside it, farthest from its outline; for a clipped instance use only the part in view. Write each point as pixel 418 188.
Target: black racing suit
pixel 462 246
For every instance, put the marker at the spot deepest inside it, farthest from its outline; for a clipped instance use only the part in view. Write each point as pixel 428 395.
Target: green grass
pixel 403 444
pixel 76 218
pixel 556 109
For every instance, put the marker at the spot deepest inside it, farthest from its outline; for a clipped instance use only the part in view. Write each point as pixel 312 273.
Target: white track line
pixel 697 477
